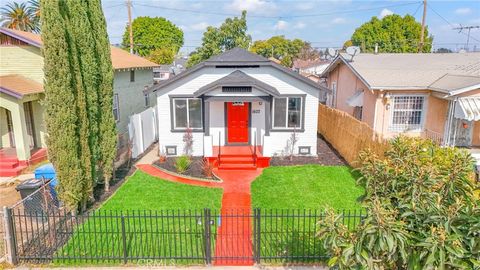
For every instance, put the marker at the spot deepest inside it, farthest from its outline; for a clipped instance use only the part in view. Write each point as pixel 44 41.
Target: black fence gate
pixel 169 237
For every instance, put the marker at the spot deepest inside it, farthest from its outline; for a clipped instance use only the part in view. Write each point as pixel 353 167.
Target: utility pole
pixel 130 27
pixel 460 29
pixel 422 33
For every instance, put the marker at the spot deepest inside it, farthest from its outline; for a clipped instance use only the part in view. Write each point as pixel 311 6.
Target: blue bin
pixel 48 172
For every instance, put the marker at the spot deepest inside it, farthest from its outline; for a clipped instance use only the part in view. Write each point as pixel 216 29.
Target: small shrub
pixel 207 168
pixel 182 163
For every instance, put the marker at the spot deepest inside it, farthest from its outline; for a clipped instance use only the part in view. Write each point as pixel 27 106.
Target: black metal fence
pixel 170 236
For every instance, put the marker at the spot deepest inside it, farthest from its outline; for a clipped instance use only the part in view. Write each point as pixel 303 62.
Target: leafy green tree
pixel 61 117
pixel 280 48
pixel 107 138
pixel 162 56
pixel 232 33
pixel 20 17
pixel 153 33
pixel 422 212
pixel 307 52
pixel 393 34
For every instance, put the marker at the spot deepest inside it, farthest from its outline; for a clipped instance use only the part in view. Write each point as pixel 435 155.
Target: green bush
pixel 422 213
pixel 182 163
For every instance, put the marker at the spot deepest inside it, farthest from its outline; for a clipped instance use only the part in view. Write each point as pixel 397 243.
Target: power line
pixel 283 17
pixel 449 23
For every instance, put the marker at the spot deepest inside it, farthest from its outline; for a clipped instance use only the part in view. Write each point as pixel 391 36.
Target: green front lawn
pixel 306 187
pixel 162 219
pixel 145 192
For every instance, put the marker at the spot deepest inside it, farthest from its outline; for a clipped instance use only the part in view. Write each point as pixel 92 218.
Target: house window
pixel 407 113
pixel 146 97
pixel 187 113
pixel 287 112
pixel 116 110
pixel 132 75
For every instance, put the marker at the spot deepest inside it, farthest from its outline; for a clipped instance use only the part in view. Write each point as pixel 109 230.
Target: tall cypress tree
pixel 107 130
pixel 60 99
pixel 76 45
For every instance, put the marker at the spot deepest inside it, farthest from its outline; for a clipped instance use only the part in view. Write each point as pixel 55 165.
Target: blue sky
pixel 326 23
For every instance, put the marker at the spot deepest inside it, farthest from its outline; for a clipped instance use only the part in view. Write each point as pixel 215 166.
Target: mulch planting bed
pixel 194 170
pixel 327 155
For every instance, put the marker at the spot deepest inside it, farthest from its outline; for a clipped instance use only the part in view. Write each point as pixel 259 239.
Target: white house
pixel 236 101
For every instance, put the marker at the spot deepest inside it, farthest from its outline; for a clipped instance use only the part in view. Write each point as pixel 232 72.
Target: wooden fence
pixel 348 135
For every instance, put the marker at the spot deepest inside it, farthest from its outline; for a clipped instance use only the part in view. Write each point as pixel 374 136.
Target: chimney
pixel 376 48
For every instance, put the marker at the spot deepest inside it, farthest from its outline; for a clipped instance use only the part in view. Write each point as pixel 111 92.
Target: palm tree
pixel 20 17
pixel 34 10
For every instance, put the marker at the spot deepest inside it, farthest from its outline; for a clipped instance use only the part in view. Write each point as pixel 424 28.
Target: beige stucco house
pixel 435 96
pixel 22 129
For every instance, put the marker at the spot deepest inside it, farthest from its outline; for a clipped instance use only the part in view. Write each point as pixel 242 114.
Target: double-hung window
pixel 187 113
pixel 116 110
pixel 407 113
pixel 287 113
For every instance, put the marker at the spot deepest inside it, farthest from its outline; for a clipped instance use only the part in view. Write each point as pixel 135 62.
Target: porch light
pixel 387 98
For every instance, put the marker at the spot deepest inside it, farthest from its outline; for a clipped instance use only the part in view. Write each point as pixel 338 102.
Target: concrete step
pixel 11 172
pixel 8 164
pixel 237 166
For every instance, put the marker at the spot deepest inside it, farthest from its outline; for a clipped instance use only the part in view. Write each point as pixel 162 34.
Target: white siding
pixel 285 84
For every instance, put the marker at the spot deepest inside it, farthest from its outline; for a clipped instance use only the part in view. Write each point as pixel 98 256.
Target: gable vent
pixel 236 89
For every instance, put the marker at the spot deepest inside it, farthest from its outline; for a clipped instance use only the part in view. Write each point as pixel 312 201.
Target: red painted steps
pixel 10 167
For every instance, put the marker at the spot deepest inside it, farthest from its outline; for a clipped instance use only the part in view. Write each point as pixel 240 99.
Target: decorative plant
pixel 188 140
pixel 207 168
pixel 292 142
pixel 182 163
pixel 422 212
pixel 162 157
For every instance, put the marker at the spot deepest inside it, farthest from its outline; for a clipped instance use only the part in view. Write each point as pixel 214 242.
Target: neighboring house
pixel 435 96
pixel 310 67
pixel 165 72
pixel 22 128
pixel 235 101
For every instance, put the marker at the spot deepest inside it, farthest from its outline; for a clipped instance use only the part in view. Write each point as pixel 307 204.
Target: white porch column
pixel 22 142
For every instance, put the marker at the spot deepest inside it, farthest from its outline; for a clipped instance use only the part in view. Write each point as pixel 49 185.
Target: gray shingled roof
pixel 237 55
pixel 414 70
pixel 238 78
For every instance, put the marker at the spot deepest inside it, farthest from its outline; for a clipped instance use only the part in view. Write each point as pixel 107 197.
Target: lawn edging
pixel 189 177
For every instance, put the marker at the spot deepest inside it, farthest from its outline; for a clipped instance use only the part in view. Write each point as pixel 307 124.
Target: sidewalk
pixel 260 267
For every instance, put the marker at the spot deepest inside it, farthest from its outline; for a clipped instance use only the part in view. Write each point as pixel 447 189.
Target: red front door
pixel 237 122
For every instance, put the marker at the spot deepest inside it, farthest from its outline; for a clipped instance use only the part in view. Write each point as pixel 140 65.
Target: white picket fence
pixel 142 131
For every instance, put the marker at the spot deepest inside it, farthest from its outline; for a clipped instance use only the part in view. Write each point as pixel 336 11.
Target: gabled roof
pixel 237 55
pixel 410 71
pixel 18 86
pixel 121 59
pixel 237 58
pixel 238 78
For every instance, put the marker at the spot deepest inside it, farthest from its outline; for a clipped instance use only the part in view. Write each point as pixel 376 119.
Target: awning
pixel 468 108
pixel 356 100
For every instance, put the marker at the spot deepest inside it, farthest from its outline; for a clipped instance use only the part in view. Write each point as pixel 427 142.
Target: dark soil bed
pixel 327 155
pixel 195 169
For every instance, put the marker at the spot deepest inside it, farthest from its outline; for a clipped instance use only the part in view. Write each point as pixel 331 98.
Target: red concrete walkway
pixel 234 233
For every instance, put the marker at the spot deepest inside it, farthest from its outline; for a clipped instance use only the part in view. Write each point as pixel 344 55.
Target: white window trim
pixel 188 114
pixel 115 98
pixel 286 114
pixel 393 128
